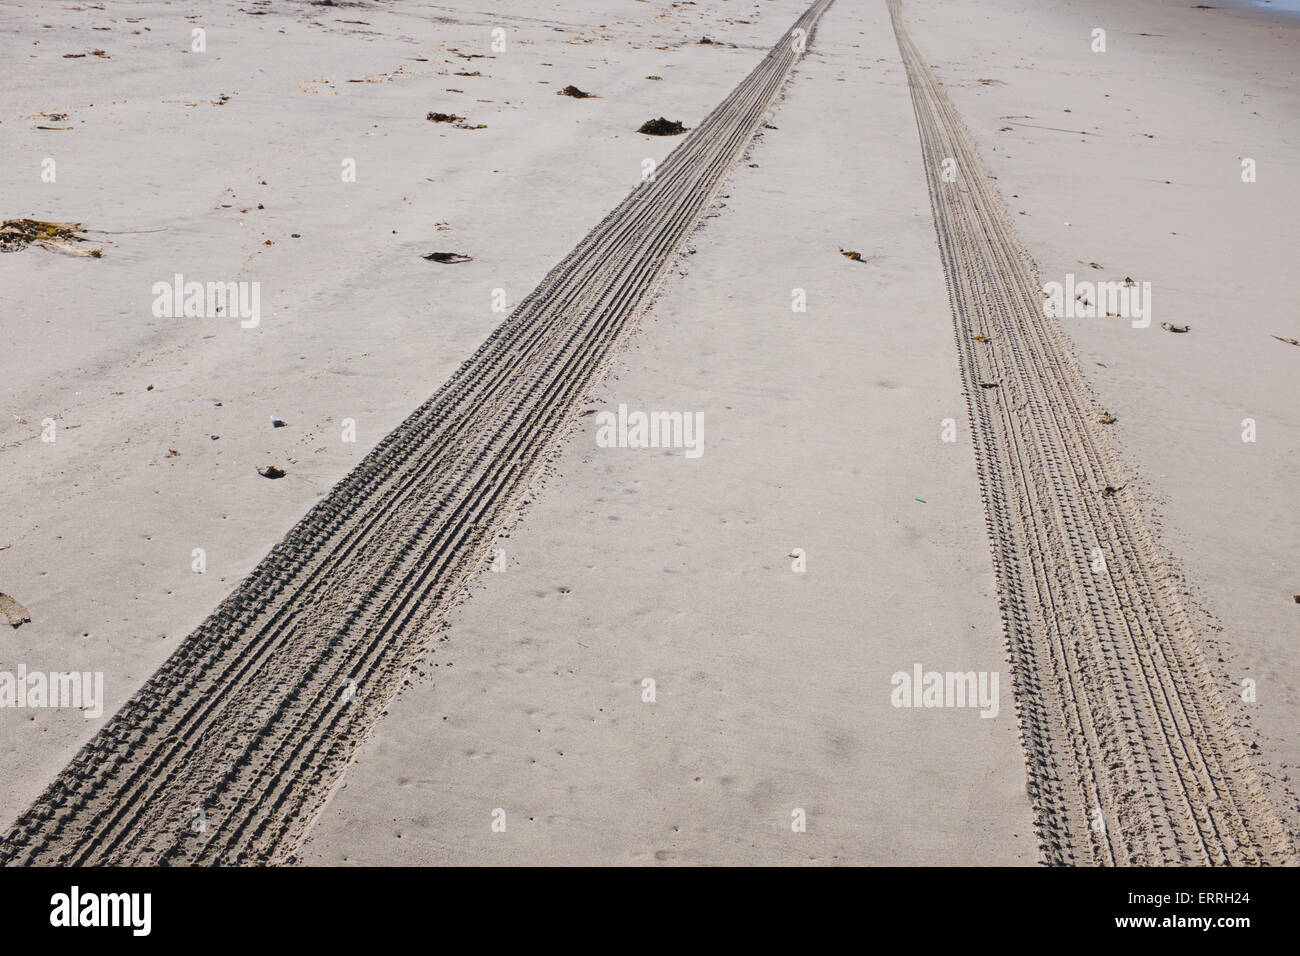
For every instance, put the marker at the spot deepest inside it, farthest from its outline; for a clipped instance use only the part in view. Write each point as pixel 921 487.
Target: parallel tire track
pixel 1132 756
pixel 250 721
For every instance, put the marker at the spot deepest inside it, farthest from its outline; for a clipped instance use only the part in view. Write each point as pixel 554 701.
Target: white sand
pixel 773 687
pixel 102 525
pixel 1212 87
pixel 822 428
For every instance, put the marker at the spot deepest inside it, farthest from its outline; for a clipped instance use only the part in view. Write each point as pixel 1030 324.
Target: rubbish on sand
pixel 15 612
pixel 270 471
pixel 458 121
pixel 850 254
pixel 1174 328
pixel 447 257
pixel 576 93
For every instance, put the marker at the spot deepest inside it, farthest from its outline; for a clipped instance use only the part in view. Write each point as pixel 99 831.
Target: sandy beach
pixel 375 564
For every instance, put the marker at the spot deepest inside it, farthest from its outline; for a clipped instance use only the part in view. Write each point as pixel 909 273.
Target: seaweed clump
pixel 662 127
pixel 18 234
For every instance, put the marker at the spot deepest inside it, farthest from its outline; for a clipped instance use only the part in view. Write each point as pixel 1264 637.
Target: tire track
pixel 1132 757
pixel 248 726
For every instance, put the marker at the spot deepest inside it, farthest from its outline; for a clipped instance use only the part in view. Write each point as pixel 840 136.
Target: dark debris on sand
pixel 662 127
pixel 17 234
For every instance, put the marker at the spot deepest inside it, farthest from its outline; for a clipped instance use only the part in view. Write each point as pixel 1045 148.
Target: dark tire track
pixel 1121 721
pixel 249 720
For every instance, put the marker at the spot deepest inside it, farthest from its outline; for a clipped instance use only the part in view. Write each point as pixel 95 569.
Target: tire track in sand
pixel 250 720
pixel 1120 718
